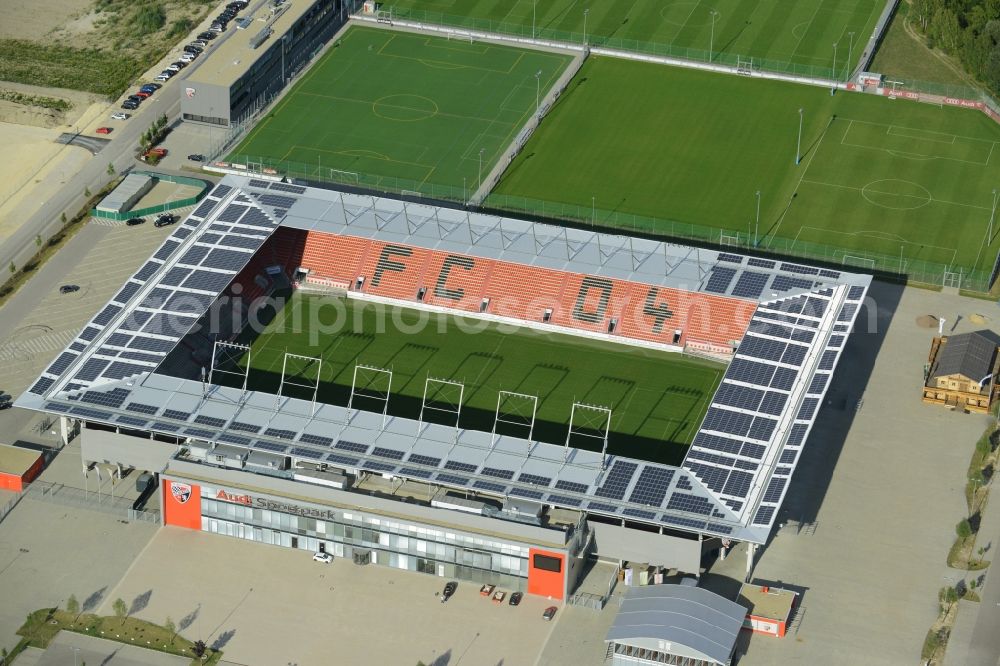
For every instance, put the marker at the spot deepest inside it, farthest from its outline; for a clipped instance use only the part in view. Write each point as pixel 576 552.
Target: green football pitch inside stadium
pixel 894 179
pixel 802 32
pixel 657 398
pixel 402 106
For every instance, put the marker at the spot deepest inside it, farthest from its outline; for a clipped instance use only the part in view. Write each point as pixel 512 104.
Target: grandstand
pixel 781 326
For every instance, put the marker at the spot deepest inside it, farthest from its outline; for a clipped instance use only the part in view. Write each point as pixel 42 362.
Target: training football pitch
pixel 801 32
pixel 657 398
pixel 889 179
pixel 396 105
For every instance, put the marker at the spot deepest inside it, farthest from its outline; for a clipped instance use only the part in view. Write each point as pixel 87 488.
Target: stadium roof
pixel 730 484
pixel 694 622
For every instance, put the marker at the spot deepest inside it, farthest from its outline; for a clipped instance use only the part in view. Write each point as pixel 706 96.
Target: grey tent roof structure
pixel 694 621
pixel 968 354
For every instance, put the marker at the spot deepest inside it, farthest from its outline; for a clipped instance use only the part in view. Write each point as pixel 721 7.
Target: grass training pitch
pixel 657 398
pixel 897 180
pixel 801 32
pixel 403 106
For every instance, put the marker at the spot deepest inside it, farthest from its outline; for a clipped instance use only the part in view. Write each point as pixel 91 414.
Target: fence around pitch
pixel 514 29
pixel 914 270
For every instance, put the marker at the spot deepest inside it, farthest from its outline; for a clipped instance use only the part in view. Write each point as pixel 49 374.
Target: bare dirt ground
pixel 21 114
pixel 38 18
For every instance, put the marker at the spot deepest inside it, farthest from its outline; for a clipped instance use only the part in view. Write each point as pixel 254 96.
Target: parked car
pixel 193 49
pixel 69 288
pixel 167 73
pixel 217 28
pixel 449 589
pixel 188 57
pixel 163 219
pixel 161 78
pixel 179 63
pixel 135 98
pixel 174 68
pixel 154 86
pixel 131 105
pixel 208 35
pixel 135 221
pixel 6 402
pixel 142 94
pixel 549 613
pixel 104 130
pixel 515 598
pixel 196 157
pixel 325 558
pixel 119 115
pixel 237 4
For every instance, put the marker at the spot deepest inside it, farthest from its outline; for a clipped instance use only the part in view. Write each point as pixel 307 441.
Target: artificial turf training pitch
pixel 894 178
pixel 802 32
pixel 402 106
pixel 657 398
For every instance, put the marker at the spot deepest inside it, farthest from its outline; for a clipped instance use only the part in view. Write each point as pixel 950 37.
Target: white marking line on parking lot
pixel 20 349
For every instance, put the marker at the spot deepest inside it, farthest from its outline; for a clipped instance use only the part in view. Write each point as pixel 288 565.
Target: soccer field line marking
pixel 428 113
pixel 889 132
pixel 933 199
pixel 369 102
pixel 682 25
pixel 425 62
pixel 911 156
pixel 990 154
pixel 798 42
pixel 880 236
pixel 916 129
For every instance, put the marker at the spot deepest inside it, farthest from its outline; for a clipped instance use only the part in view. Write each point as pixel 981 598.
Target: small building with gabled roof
pixel 674 624
pixel 961 371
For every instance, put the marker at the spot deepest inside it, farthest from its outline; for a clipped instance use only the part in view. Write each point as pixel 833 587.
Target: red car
pixel 104 130
pixel 143 94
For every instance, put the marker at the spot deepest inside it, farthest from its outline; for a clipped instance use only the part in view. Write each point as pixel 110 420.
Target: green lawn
pixel 877 176
pixel 657 398
pixel 801 32
pixel 403 106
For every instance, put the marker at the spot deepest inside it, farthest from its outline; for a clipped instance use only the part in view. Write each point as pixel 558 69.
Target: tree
pixel 12 268
pixel 199 648
pixel 111 169
pixel 171 628
pixel 963 529
pixel 949 595
pixel 38 240
pixel 72 605
pixel 3 656
pixel 120 609
pixel 62 217
pixel 86 192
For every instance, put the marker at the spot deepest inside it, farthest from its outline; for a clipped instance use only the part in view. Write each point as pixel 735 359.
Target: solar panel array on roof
pixel 750 284
pixel 617 480
pixel 718 283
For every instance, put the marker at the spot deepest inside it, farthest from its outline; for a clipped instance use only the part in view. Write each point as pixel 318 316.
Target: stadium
pixel 488 431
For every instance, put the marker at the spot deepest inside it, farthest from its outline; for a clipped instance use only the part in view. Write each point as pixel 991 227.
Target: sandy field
pixel 37 18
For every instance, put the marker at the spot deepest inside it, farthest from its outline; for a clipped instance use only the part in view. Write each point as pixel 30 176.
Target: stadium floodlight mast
pixel 538 85
pixel 585 12
pixel 798 149
pixel 756 227
pixel 989 236
pixel 711 41
pixel 850 54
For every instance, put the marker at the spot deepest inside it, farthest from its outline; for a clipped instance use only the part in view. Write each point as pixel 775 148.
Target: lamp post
pixel 834 77
pixel 538 75
pixel 756 226
pixel 850 53
pixel 798 150
pixel 585 12
pixel 711 41
pixel 989 237
pixel 480 167
pixel 534 5
pixel 593 210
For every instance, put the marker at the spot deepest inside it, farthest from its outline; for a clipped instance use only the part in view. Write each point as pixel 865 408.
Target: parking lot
pixel 270 605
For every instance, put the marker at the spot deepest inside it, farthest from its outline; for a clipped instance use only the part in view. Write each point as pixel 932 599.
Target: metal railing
pixel 9 506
